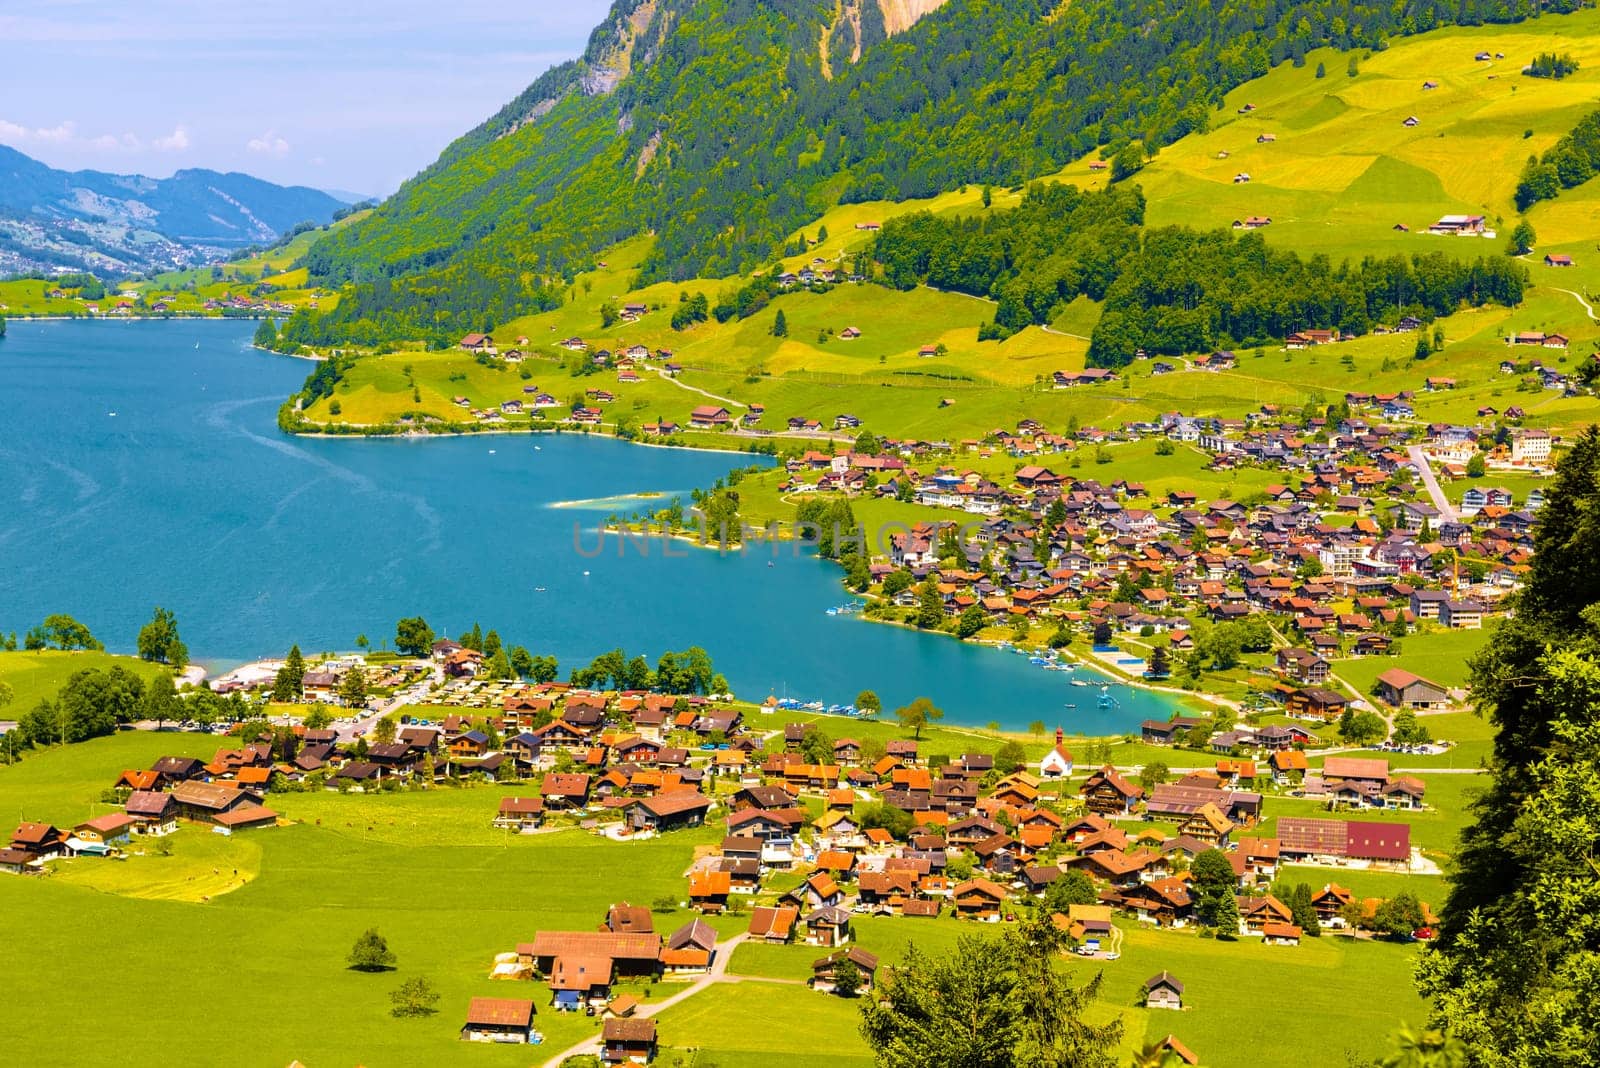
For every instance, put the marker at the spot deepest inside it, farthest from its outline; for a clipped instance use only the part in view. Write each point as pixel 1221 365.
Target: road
pixel 729 401
pixel 1586 306
pixel 718 974
pixel 1440 501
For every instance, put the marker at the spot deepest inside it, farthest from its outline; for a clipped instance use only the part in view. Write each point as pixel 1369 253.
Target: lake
pixel 143 466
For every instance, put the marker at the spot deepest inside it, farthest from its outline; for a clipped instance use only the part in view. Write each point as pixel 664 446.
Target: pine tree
pixel 1226 916
pixel 780 325
pixel 287 684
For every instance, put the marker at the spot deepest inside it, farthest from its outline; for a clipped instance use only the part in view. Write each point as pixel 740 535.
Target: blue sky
pixel 354 96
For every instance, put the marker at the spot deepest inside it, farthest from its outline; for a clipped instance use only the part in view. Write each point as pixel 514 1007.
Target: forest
pixel 1191 291
pixel 1057 244
pixel 1172 290
pixel 1571 161
pixel 725 135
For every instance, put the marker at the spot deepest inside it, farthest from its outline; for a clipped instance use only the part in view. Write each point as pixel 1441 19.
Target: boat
pixel 491 452
pixel 1079 682
pixel 538 589
pixel 1040 660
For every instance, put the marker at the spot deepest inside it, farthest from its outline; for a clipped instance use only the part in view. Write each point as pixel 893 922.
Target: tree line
pixel 1171 290
pixel 1571 161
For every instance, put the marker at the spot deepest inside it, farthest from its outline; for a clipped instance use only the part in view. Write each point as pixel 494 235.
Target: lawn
pixel 1227 986
pixel 756 1024
pixel 36 676
pixel 1439 655
pixel 63 785
pixel 1429 888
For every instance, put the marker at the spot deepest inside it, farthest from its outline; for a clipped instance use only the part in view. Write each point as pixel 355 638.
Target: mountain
pixel 115 222
pixel 721 126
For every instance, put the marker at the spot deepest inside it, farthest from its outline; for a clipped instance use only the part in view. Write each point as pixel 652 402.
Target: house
pixel 1057 763
pixel 1278 933
pixel 1252 222
pixel 520 813
pixel 689 950
pixel 628 1041
pixel 156 813
pixel 1164 902
pixel 565 790
pixel 1108 793
pixel 109 829
pixel 205 801
pixel 849 333
pixel 709 890
pixel 245 817
pixel 1163 991
pixel 1558 261
pixel 1402 689
pixel 478 343
pixel 1530 446
pixel 773 924
pixel 979 899
pixel 1458 226
pixel 498 1019
pixel 824 969
pixel 709 417
pixel 40 840
pixel 1461 615
pixel 665 812
pixel 828 926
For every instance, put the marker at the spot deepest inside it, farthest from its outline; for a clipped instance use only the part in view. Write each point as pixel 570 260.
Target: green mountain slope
pixel 719 126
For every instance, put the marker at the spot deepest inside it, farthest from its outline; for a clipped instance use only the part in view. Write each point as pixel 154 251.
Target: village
pixel 818 829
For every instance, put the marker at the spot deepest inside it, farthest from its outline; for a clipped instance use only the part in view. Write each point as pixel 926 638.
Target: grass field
pixel 1439 655
pixel 34 676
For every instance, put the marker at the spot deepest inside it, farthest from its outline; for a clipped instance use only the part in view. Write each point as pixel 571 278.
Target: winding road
pixel 1586 305
pixel 696 389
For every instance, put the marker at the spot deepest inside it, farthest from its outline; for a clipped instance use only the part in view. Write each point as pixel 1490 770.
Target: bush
pixel 415 997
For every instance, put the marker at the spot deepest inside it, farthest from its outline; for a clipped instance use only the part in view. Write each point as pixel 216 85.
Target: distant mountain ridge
pixel 719 127
pixel 107 222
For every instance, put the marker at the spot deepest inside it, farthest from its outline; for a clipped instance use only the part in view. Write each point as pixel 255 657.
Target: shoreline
pixel 504 431
pixel 1109 671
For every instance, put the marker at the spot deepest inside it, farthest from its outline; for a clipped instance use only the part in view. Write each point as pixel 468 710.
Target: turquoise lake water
pixel 189 497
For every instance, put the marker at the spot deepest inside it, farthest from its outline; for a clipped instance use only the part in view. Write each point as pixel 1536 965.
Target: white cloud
pixel 268 144
pixel 59 134
pixel 66 134
pixel 176 141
